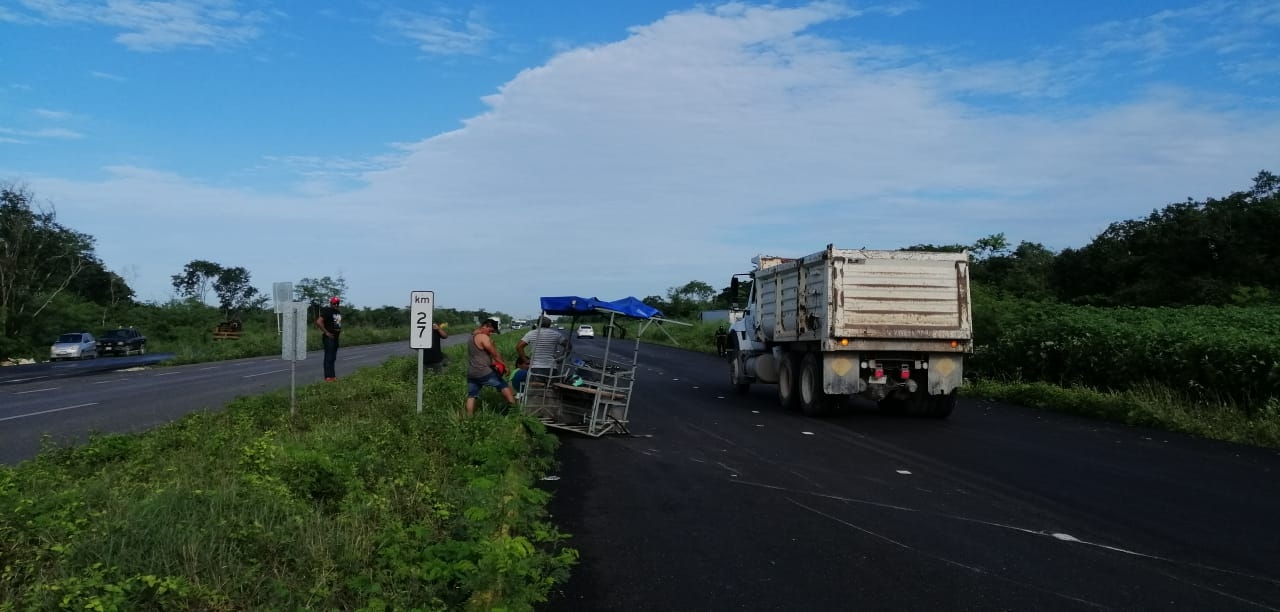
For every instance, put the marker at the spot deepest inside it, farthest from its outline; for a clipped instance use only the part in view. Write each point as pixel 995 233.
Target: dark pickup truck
pixel 122 342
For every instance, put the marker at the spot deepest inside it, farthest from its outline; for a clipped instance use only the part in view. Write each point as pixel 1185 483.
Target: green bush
pixel 356 502
pixel 1225 354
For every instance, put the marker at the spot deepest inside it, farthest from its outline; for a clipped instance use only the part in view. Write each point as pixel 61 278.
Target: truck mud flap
pixel 946 373
pixel 840 374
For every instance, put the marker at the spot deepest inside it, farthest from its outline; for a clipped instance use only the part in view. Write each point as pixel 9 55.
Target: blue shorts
pixel 492 380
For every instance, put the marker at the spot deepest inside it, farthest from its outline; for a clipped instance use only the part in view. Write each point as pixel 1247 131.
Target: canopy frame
pixel 578 394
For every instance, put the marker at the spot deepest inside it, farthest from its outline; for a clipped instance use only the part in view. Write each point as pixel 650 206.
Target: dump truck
pixel 890 326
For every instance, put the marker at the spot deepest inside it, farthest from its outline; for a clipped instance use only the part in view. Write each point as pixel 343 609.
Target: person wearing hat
pixel 485 367
pixel 330 324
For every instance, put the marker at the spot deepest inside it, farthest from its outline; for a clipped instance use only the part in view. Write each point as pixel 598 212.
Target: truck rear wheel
pixel 934 406
pixel 893 405
pixel 787 382
pixel 813 402
pixel 940 406
pixel 735 374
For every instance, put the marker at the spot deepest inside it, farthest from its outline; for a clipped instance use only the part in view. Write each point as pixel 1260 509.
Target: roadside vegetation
pixel 357 502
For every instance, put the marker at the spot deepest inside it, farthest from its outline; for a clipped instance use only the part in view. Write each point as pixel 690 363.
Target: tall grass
pixel 357 502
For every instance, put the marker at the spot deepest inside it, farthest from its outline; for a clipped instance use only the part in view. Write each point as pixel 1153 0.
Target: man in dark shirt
pixel 434 356
pixel 330 324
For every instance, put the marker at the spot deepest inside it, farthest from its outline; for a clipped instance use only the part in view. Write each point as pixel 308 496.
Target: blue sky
pixel 499 151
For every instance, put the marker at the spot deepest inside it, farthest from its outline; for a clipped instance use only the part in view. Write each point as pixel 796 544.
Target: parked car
pixel 122 342
pixel 586 331
pixel 76 345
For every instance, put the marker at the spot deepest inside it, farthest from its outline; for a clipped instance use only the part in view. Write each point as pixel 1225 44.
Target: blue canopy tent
pixel 584 395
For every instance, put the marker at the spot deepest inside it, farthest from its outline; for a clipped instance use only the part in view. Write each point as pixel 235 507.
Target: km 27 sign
pixel 421 305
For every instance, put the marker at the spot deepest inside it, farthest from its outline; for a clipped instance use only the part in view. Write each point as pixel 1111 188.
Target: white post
pixel 293 345
pixel 419 381
pixel 421 334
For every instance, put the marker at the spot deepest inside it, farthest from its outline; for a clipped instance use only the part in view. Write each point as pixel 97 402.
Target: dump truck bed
pixel 874 299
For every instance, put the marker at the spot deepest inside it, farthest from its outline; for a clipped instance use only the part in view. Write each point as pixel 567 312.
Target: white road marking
pixel 103 382
pixel 31 414
pixel 807 433
pixel 1062 537
pixel 18 380
pixel 904 472
pixel 264 373
pixel 209 368
pixel 35 391
pixel 947 560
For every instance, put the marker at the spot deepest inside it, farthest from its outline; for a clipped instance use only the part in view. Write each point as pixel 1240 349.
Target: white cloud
pixel 678 153
pixel 52 115
pixel 445 32
pixel 1219 26
pixel 106 76
pixel 57 133
pixel 156 25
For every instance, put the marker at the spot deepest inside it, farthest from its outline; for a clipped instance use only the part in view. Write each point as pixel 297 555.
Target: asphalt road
pixel 725 502
pixel 69 400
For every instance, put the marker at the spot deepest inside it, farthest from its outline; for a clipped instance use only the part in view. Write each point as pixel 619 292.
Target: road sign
pixel 421 308
pixel 293 342
pixel 283 294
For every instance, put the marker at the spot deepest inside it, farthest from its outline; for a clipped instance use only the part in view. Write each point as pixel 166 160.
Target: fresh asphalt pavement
pixel 718 501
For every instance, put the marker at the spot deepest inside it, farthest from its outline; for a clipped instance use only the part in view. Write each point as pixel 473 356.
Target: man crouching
pixel 485 367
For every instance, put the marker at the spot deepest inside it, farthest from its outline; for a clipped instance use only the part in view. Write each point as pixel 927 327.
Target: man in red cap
pixel 485 367
pixel 330 324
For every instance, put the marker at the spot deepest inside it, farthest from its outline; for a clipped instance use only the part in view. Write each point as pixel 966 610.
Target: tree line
pixel 52 281
pixel 1215 252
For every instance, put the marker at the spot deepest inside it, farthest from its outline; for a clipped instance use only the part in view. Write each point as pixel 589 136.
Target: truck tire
pixel 787 383
pixel 933 406
pixel 940 406
pixel 893 405
pixel 813 402
pixel 735 367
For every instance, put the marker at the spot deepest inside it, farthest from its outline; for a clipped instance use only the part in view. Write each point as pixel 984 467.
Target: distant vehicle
pixel 76 345
pixel 586 331
pixel 122 342
pixel 519 324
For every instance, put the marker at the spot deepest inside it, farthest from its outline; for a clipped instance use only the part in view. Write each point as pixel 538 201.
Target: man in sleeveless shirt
pixel 485 367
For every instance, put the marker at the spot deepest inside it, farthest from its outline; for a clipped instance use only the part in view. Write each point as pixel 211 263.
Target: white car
pixel 586 331
pixel 78 345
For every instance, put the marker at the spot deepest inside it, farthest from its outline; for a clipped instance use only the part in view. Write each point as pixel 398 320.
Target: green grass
pixel 1149 405
pixel 259 342
pixel 357 502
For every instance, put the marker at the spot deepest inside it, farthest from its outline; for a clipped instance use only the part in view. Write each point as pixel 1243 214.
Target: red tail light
pixel 906 373
pixel 879 372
